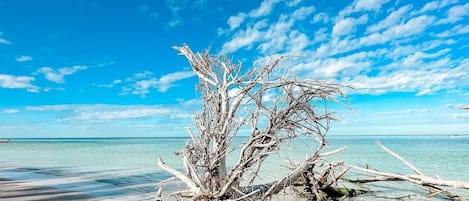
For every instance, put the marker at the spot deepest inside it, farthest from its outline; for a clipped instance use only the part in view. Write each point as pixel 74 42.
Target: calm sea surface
pixel 116 167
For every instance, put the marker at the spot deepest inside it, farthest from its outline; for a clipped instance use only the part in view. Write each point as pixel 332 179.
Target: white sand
pixel 23 191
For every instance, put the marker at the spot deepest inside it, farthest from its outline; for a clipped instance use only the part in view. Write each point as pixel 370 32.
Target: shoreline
pixel 240 136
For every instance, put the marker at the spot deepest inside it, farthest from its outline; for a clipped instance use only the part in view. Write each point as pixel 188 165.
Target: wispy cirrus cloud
pixel 347 25
pixel 362 5
pixel 142 83
pixel 108 113
pixel 23 58
pixel 9 111
pixel 264 9
pixel 436 5
pixel 18 82
pixel 235 21
pixel 110 85
pixel 394 18
pixel 182 11
pixel 58 76
pixel 272 36
pixel 456 13
pixel 456 30
pixel 3 40
pixel 405 49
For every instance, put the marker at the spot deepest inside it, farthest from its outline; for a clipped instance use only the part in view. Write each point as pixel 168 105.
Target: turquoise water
pixel 127 166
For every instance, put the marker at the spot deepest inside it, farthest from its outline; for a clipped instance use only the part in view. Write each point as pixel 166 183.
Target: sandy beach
pixel 25 191
pixel 21 185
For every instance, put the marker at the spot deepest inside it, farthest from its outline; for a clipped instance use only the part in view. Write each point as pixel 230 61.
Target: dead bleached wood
pixel 273 110
pixel 435 185
pixel 188 181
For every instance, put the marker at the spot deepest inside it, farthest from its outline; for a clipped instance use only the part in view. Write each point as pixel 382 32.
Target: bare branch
pixel 179 175
pixel 400 158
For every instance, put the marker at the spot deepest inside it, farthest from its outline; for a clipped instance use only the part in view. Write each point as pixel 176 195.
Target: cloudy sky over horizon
pixel 97 68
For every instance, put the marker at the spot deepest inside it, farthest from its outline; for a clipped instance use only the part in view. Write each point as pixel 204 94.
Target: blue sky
pixel 97 68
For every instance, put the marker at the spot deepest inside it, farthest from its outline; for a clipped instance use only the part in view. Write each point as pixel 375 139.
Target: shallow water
pixel 118 167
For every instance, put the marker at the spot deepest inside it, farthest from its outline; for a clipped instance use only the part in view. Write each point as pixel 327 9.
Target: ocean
pixel 111 168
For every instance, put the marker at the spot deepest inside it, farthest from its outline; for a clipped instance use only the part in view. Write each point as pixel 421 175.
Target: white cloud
pixel 105 64
pixel 456 30
pixel 451 106
pixel 175 22
pixel 430 6
pixel 321 17
pixel 18 82
pixel 275 35
pixel 347 26
pixel 456 13
pixel 423 82
pixel 406 54
pixel 175 7
pixel 264 9
pixel 391 20
pixel 244 38
pixel 400 112
pixel 458 116
pixel 303 12
pixel 106 113
pixel 417 59
pixel 3 40
pixel 49 108
pixel 9 111
pixel 58 76
pixel 336 67
pixel 342 27
pixel 281 36
pixel 24 58
pixel 166 81
pixel 297 42
pixel 235 21
pixel 399 52
pixel 362 5
pixel 424 92
pixel 422 72
pixel 435 5
pixel 142 83
pixel 112 84
pixel 416 110
pixel 320 35
pixel 293 3
pixel 412 27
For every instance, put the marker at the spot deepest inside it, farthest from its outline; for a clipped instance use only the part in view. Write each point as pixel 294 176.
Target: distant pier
pixel 4 141
pixel 457 135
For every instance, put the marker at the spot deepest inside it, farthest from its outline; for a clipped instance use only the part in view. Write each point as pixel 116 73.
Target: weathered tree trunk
pixel 233 100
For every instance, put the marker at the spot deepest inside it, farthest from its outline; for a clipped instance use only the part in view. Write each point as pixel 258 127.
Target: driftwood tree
pixel 435 186
pixel 272 110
